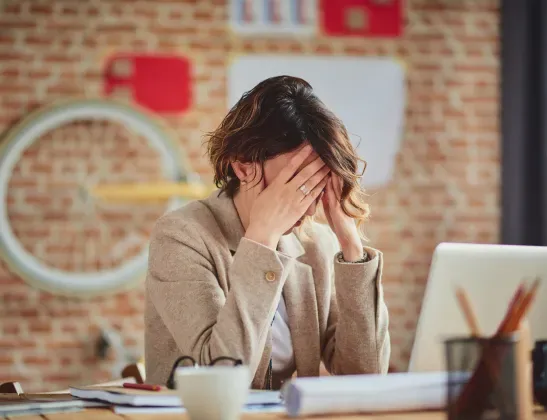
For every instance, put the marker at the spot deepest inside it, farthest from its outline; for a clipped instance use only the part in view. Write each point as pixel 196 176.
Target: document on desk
pixel 164 398
pixel 24 407
pixel 257 401
pixel 365 393
pixel 121 409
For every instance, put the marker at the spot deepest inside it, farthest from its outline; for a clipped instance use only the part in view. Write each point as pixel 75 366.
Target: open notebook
pixel 164 398
pixel 43 405
pixel 47 403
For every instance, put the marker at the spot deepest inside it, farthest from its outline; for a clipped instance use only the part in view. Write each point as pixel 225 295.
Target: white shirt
pixel 282 350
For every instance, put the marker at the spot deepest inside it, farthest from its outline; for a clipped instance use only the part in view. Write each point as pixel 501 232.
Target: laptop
pixel 490 274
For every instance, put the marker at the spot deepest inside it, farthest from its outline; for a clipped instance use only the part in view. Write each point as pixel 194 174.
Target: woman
pixel 246 274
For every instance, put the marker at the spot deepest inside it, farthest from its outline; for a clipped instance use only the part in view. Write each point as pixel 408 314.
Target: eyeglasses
pixel 171 380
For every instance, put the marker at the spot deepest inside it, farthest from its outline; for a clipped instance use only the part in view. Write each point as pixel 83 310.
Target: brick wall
pixel 445 186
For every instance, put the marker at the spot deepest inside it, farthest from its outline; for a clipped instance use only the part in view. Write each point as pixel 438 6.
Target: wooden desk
pixel 106 414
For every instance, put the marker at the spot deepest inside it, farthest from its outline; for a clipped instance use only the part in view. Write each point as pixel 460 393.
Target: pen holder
pixel 539 357
pixel 485 378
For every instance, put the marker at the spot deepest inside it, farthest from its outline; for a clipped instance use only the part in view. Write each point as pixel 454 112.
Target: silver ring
pixel 304 189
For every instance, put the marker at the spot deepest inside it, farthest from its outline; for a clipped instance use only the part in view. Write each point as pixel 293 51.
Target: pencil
pixel 145 387
pixel 473 324
pixel 467 309
pixel 522 310
pixel 513 305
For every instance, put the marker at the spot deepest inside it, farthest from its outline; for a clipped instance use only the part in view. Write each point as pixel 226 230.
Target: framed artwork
pixel 363 18
pixel 367 93
pixel 160 83
pixel 273 17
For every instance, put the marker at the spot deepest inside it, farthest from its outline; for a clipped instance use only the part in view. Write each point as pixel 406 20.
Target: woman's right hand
pixel 279 206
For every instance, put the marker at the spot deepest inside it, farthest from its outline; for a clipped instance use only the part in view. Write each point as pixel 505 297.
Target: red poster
pixel 366 18
pixel 157 82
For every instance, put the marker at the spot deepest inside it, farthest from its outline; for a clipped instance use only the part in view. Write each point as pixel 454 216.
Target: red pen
pixel 145 387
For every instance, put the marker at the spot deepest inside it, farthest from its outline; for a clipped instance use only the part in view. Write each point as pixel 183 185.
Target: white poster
pixel 273 17
pixel 368 94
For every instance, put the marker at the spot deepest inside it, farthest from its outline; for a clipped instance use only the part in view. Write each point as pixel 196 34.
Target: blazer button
pixel 270 276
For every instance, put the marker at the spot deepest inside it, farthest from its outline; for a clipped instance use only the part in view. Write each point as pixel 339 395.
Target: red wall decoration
pixel 159 83
pixel 370 18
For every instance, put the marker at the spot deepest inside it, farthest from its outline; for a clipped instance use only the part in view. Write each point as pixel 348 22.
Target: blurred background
pixel 417 82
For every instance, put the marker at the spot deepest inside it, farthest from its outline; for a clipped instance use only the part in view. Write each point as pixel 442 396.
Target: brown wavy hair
pixel 277 116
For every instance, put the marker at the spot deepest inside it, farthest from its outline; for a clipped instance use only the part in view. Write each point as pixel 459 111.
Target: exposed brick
pixel 16 343
pixel 90 42
pixel 38 40
pixel 26 312
pixel 66 25
pixel 61 378
pixel 40 327
pixel 6 360
pixel 164 30
pixel 178 2
pixel 61 58
pixel 36 361
pixel 204 15
pixel 72 10
pixel 426 37
pixel 11 329
pixel 12 24
pixel 149 12
pixel 41 9
pixel 428 67
pixel 15 295
pixel 65 312
pixel 6 39
pixel 66 89
pixel 69 328
pixel 40 74
pixel 117 27
pixel 65 345
pixel 451 49
pixel 14 56
pixel 12 8
pixel 10 73
pixel 470 68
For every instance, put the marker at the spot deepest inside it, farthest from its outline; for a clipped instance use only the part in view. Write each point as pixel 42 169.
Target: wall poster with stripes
pixel 274 17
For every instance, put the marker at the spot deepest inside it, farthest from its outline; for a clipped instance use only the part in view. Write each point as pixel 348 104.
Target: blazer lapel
pixel 301 302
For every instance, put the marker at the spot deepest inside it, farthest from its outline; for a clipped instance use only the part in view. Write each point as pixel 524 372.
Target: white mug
pixel 213 392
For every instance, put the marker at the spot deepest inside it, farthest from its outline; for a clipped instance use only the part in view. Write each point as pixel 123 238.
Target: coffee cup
pixel 213 392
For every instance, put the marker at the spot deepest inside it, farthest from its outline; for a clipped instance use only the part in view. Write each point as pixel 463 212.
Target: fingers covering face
pixel 294 164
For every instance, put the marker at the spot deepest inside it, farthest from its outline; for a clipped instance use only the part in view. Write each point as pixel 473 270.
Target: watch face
pixel 54 231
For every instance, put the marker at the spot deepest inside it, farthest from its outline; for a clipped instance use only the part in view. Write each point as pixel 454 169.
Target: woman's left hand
pixel 343 226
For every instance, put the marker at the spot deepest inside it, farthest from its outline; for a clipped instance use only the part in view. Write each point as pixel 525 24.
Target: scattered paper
pixel 366 393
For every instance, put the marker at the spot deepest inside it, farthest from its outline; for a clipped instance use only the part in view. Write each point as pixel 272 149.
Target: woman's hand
pixel 342 225
pixel 280 205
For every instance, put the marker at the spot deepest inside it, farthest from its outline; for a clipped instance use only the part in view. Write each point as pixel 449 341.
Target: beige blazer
pixel 210 292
